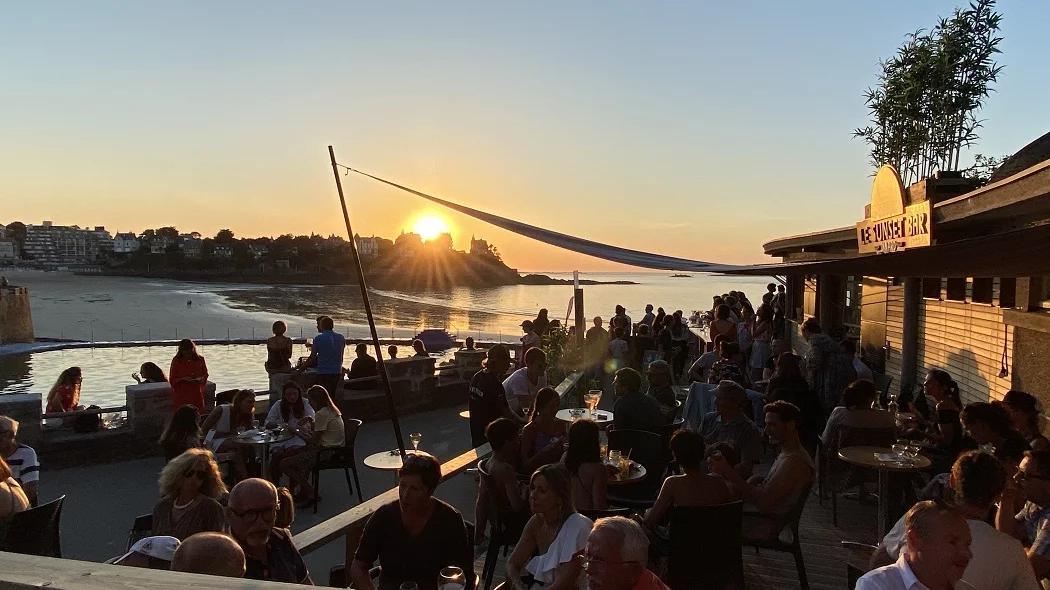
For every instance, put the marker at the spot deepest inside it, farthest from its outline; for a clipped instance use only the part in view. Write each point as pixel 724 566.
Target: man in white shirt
pixel 999 561
pixel 935 557
pixel 521 386
pixel 20 458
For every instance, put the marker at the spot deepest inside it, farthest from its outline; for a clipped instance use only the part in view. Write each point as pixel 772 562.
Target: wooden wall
pixel 894 333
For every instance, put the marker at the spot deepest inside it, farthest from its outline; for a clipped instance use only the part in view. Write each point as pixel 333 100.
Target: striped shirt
pixel 24 465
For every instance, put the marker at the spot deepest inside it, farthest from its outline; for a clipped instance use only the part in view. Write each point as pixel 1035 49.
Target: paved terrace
pixel 102 500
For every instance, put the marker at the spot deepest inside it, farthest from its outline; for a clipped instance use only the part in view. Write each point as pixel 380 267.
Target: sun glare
pixel 429 227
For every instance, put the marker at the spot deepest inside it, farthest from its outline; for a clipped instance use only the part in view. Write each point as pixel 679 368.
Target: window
pixel 1007 292
pixel 983 288
pixel 956 289
pixel 931 288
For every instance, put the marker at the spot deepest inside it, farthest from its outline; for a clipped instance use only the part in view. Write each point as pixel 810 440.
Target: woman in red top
pixel 65 393
pixel 188 376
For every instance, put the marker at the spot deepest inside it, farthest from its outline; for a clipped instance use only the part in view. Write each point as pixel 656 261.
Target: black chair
pixel 504 527
pixel 140 529
pixel 596 514
pixel 340 458
pixel 646 448
pixel 787 522
pixel 35 531
pixel 706 547
pixel 668 431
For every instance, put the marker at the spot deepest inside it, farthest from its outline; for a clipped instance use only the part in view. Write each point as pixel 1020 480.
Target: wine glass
pixel 900 449
pixel 415 438
pixel 451 578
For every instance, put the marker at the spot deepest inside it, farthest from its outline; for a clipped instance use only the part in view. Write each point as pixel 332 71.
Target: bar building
pixel 941 274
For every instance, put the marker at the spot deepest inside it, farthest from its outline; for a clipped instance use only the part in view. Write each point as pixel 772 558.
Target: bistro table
pixel 635 473
pixel 386 461
pixel 263 438
pixel 882 460
pixel 603 416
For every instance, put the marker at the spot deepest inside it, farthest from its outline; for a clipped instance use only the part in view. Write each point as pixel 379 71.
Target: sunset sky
pixel 696 129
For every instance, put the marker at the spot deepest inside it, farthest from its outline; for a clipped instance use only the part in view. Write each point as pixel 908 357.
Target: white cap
pixel 160 547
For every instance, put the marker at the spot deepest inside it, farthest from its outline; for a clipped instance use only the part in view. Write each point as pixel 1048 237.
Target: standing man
pixel 488 399
pixel 328 349
pixel 20 458
pixel 521 386
pixel 596 346
pixel 622 320
pixel 649 316
pixel 936 556
pixel 828 370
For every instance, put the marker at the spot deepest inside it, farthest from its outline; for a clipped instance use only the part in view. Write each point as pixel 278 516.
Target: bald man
pixel 269 552
pixel 214 554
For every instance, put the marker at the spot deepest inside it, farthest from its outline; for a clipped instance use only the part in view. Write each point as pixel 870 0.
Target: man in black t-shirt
pixel 363 366
pixel 488 400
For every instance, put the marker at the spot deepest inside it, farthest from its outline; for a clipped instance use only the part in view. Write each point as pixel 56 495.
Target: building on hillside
pixel 942 274
pixel 223 251
pixel 408 244
pixel 160 244
pixel 8 250
pixel 51 245
pixel 125 243
pixel 442 242
pixel 191 246
pixel 258 249
pixel 367 248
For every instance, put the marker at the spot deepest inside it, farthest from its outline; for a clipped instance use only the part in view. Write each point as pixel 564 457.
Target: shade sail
pixel 581 245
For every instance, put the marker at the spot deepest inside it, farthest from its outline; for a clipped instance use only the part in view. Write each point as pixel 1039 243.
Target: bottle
pixel 892 407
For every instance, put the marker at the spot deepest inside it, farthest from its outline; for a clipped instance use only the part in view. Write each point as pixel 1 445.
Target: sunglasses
pixel 251 515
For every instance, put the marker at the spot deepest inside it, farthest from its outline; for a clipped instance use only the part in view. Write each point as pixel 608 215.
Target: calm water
pixel 108 370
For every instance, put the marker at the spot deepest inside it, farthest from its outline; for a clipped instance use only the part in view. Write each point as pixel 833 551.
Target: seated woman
pixel 545 556
pixel 292 412
pixel 190 487
pixel 181 433
pixel 947 433
pixel 149 372
pixel 327 431
pixel 419 348
pixel 856 412
pixel 65 393
pixel 988 424
pixel 415 536
pixel 13 498
pixel 695 487
pixel 543 436
pixel 583 459
pixel 1024 412
pixel 227 420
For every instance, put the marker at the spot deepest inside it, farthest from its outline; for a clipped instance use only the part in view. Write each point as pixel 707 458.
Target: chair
pixel 706 547
pixel 790 522
pixel 340 458
pixel 648 449
pixel 850 436
pixel 882 386
pixel 857 561
pixel 504 531
pixel 35 531
pixel 668 431
pixel 140 529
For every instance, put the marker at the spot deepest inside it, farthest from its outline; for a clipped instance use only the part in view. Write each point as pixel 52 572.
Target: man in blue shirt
pixel 328 355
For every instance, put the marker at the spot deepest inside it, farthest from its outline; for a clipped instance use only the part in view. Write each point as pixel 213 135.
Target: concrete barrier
pixel 469 362
pixel 26 408
pixel 149 407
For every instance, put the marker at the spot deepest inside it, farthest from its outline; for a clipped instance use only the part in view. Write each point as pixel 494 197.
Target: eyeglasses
pixel 250 515
pixel 590 561
pixel 1021 476
pixel 198 473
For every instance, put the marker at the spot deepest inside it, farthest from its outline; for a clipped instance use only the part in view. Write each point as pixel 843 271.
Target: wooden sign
pixel 891 226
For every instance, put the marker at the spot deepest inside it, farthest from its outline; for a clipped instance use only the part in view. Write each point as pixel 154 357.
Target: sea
pixel 99 309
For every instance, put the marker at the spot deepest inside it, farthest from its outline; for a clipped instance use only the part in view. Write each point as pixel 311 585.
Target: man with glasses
pixel 20 458
pixel 729 424
pixel 1030 524
pixel 269 552
pixel 615 557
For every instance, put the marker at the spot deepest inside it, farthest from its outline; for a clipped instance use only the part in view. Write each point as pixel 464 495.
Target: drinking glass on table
pixel 900 449
pixel 591 399
pixel 452 578
pixel 415 438
pixel 614 456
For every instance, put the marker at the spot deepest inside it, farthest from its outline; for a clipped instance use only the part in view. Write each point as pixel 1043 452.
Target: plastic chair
pixel 706 547
pixel 35 531
pixel 503 531
pixel 793 546
pixel 340 458
pixel 648 449
pixel 140 529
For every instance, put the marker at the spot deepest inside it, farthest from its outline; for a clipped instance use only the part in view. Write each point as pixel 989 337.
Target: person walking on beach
pixel 328 351
pixel 188 376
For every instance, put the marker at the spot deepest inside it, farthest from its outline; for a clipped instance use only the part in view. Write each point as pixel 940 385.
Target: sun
pixel 429 227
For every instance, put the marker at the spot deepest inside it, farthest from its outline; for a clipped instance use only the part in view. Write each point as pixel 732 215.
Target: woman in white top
pixel 224 422
pixel 545 554
pixel 326 431
pixel 12 497
pixel 293 413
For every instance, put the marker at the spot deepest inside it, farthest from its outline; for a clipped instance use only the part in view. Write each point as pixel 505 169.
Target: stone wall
pixel 16 320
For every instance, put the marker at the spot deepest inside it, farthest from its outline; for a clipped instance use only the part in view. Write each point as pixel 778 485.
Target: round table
pixel 635 474
pixel 604 416
pixel 880 459
pixel 386 461
pixel 263 438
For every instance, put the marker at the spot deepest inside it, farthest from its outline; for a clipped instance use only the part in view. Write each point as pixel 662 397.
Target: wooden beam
pixel 30 571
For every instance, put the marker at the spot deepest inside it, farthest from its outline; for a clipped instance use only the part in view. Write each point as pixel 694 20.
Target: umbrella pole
pixel 381 366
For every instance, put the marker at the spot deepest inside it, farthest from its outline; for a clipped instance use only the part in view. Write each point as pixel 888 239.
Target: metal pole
pixel 380 365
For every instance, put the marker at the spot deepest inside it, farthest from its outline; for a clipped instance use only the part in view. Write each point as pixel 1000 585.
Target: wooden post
pixel 910 335
pixel 380 365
